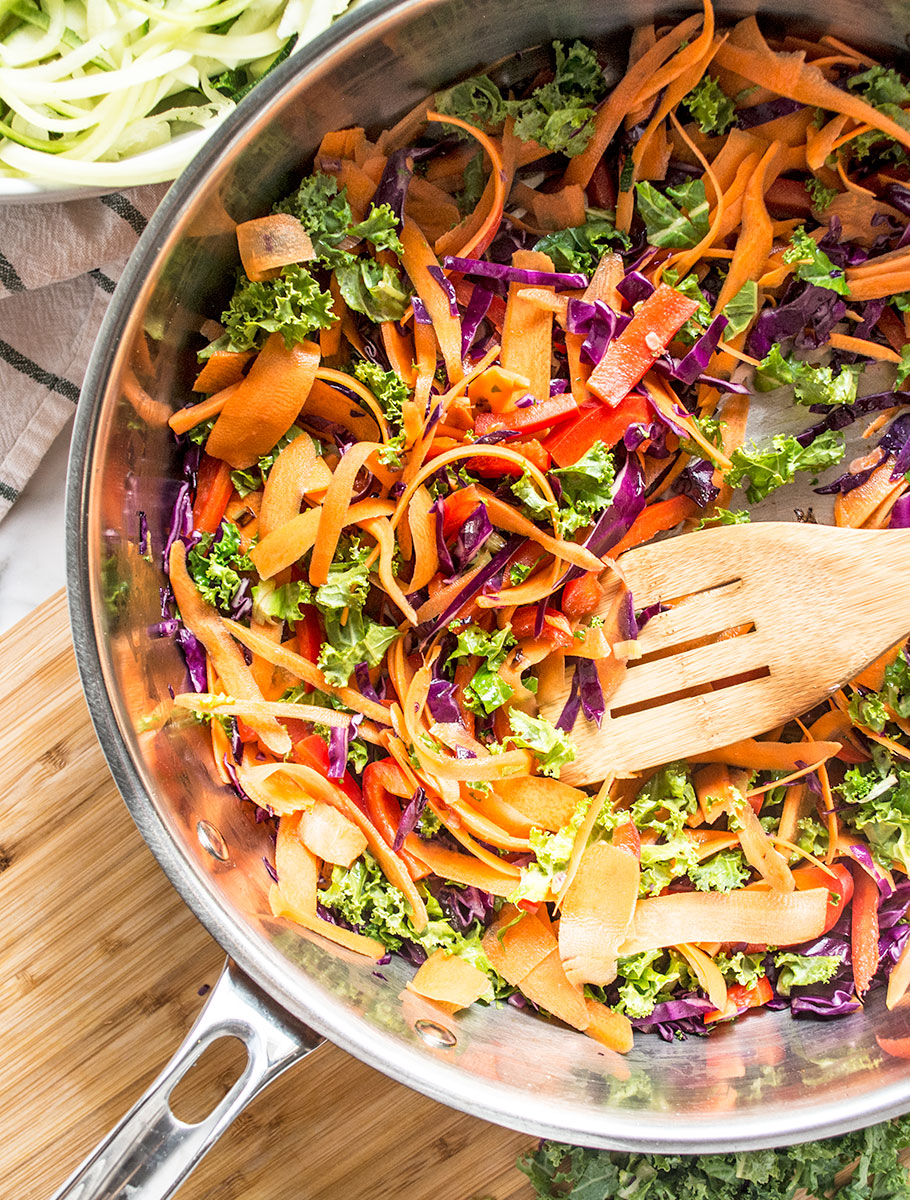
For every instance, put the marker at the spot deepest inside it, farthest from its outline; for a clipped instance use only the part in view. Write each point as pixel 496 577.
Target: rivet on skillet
pixel 211 841
pixel 435 1035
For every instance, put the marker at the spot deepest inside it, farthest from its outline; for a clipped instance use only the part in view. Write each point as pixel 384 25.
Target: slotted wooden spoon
pixel 814 603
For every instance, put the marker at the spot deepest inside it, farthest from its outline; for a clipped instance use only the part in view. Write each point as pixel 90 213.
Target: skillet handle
pixel 149 1154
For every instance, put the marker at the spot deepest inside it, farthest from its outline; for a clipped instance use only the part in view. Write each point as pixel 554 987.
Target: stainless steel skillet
pixel 765 1081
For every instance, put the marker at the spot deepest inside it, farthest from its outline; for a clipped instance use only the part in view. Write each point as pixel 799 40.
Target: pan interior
pixel 774 1080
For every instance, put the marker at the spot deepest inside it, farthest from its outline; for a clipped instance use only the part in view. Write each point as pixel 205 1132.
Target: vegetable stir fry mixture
pixel 102 82
pixel 466 365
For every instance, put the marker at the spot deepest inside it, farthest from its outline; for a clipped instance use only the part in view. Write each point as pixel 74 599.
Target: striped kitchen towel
pixel 59 264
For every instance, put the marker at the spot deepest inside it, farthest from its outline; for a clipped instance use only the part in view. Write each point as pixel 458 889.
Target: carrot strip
pixel 768 756
pixel 596 913
pixel 267 244
pixel 417 259
pixel 757 235
pixel 449 981
pixel 494 198
pixel 330 835
pixel 789 75
pixel 334 512
pixel 527 336
pixel 227 660
pixel 302 668
pixel 840 341
pixel 221 369
pixel 266 401
pixel 462 868
pixel 656 518
pixel 624 97
pixel 294 896
pixel 185 419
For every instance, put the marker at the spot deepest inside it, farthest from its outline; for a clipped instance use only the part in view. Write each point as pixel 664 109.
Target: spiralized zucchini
pixel 123 92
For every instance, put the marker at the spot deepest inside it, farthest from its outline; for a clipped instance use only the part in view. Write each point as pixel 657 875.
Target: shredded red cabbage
pixel 900 514
pixel 477 309
pixel 442 550
pixel 688 368
pixel 804 305
pixel 676 1019
pixel 441 702
pixel 898 197
pixel 696 482
pixel 194 655
pixel 392 188
pixel 864 858
pixel 507 274
pixel 487 574
pixel 597 323
pixel 472 536
pixel 467 905
pixel 446 285
pixel 410 815
pixel 365 684
pixel 590 690
pixel 572 707
pixel 770 110
pixel 421 316
pixel 634 287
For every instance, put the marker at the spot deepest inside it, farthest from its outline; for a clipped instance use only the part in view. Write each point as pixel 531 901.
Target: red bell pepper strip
pixel 556 629
pixel 788 198
pixel 601 189
pixel 213 491
pixel 529 420
pixel 491 468
pixel 864 929
pixel 309 633
pixel 596 422
pixel 641 343
pixel 840 889
pixel 456 508
pixel 313 752
pixel 581 596
pixel 381 780
pixel 740 998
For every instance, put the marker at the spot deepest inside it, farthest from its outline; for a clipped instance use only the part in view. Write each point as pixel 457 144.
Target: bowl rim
pixel 498 1102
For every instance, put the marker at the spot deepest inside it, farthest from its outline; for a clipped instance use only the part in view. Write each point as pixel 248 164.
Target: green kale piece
pixel 677 218
pixel 549 745
pixel 216 566
pixel 710 106
pixel 774 463
pixel 812 265
pixel 292 304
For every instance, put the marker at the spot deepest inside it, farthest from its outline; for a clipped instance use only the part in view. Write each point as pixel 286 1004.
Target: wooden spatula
pixel 815 605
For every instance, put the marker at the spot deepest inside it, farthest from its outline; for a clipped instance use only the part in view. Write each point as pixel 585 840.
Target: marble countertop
pixel 32 543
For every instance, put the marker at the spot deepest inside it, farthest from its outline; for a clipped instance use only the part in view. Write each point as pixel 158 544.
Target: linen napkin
pixel 59 265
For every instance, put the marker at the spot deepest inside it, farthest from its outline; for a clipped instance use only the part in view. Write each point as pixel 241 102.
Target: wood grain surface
pixel 102 970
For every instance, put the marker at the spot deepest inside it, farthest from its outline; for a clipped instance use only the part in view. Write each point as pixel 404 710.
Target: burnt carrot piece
pixel 640 344
pixel 266 402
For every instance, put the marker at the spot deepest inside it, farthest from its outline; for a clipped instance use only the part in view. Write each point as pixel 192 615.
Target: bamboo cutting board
pixel 101 973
